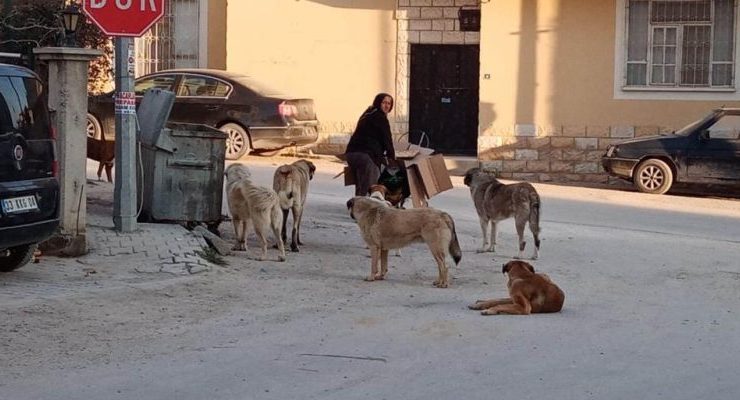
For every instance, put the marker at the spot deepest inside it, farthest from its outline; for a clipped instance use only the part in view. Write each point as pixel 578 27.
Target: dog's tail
pixel 454 248
pixel 534 217
pixel 283 183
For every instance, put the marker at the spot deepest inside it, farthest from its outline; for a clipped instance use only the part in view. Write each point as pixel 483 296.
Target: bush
pixel 37 24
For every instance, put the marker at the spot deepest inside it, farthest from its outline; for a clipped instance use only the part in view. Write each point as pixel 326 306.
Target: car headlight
pixel 611 150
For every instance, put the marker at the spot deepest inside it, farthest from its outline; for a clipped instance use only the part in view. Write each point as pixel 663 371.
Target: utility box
pixel 182 166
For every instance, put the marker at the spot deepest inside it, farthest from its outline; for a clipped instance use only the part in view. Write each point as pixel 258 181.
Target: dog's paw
pixel 239 247
pixel 475 306
pixel 370 278
pixel 281 258
pixel 439 284
pixel 490 311
pixel 379 277
pixel 294 248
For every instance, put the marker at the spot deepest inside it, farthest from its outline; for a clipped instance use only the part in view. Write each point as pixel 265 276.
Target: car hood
pixel 646 140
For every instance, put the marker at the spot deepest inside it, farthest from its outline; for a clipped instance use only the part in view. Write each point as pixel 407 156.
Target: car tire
pixel 653 176
pixel 237 141
pixel 16 257
pixel 93 128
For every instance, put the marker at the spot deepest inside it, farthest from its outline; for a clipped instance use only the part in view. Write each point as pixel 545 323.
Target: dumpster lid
pixel 153 113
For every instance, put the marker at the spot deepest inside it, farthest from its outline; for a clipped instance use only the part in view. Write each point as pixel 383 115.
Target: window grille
pixel 680 43
pixel 173 41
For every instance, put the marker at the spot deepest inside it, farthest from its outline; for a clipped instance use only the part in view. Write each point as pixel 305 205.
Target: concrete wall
pixel 217 34
pixel 338 52
pixel 548 108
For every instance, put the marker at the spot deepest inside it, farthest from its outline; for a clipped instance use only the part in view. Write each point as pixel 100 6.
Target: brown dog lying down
pixel 529 292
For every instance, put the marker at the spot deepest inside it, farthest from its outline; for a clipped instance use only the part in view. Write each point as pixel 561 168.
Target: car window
pixel 155 82
pixel 22 108
pixel 203 86
pixel 727 127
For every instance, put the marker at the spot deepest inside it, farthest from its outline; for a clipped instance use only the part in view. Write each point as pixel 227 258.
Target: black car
pixel 255 117
pixel 706 151
pixel 29 189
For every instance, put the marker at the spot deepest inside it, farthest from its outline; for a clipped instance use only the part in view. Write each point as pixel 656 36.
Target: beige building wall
pixel 340 53
pixel 216 34
pixel 549 102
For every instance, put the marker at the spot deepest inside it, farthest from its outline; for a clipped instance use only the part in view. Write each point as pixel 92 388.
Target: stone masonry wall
pixel 555 154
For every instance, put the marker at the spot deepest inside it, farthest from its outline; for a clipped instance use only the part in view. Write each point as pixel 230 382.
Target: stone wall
pixel 555 154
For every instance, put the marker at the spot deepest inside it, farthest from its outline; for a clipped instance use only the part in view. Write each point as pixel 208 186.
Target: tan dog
pixel 290 181
pixel 255 204
pixel 495 201
pixel 529 292
pixel 385 228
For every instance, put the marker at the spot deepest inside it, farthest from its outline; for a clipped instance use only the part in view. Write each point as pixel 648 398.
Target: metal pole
pixel 124 195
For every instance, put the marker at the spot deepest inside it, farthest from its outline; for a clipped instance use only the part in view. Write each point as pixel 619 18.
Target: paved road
pixel 652 289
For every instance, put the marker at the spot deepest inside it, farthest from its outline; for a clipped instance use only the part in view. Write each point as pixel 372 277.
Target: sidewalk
pixel 152 247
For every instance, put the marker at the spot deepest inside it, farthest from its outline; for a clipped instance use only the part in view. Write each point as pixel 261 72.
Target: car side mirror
pixel 704 135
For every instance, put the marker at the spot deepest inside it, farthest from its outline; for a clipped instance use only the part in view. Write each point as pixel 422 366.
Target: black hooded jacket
pixel 373 135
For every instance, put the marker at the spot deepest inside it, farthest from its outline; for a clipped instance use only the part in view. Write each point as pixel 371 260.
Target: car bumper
pixel 267 138
pixel 28 233
pixel 621 167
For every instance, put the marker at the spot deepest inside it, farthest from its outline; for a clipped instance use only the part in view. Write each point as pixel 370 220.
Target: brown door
pixel 444 97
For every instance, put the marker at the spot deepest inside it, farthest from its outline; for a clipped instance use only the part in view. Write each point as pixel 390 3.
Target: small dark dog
pixel 103 152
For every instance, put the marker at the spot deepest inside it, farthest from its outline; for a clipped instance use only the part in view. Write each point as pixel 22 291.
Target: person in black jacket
pixel 371 145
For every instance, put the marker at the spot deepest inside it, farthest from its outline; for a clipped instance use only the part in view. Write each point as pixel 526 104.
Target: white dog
pixel 255 204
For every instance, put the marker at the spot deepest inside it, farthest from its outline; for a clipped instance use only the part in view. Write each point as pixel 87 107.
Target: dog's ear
pixel 529 266
pixel 350 203
pixel 469 176
pixel 506 267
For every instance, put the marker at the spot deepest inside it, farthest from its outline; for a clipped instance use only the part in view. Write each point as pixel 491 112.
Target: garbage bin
pixel 183 174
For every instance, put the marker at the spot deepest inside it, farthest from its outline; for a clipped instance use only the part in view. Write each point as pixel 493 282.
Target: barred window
pixel 680 44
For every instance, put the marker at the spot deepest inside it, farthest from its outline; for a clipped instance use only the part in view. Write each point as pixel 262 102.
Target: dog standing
pixel 495 201
pixel 385 228
pixel 250 203
pixel 529 292
pixel 103 152
pixel 290 181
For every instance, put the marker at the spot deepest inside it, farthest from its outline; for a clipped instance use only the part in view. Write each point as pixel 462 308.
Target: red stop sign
pixel 124 17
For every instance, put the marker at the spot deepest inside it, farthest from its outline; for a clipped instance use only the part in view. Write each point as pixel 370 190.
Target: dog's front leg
pixel 374 258
pixel 484 228
pixel 519 306
pixel 486 304
pixel 494 233
pixel 383 264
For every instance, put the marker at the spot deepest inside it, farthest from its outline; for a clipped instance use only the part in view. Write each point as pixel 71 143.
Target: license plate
pixel 20 204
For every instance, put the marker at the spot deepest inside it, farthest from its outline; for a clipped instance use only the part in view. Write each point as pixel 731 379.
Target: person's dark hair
pixel 379 99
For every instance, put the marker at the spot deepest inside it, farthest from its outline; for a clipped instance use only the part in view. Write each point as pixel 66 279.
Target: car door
pixel 200 99
pixel 714 153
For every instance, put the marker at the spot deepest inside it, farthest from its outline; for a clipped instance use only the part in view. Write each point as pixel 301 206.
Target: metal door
pixel 444 97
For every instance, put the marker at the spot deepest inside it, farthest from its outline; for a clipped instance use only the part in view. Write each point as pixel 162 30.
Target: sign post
pixel 124 19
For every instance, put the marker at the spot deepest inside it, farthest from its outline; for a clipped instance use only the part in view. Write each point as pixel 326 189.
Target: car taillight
pixel 55 168
pixel 287 110
pixel 52 133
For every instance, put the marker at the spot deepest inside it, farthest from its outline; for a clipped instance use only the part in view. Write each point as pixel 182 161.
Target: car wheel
pixel 653 176
pixel 93 127
pixel 237 141
pixel 16 257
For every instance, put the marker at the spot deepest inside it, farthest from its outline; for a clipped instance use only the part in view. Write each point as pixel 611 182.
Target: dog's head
pixel 475 176
pixel 358 205
pixel 380 189
pixel 308 166
pixel 517 268
pixel 236 172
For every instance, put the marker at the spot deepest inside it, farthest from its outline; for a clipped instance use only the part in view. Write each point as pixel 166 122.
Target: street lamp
pixel 70 19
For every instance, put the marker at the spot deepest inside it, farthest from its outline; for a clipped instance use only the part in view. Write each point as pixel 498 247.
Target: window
pixel 202 86
pixel 728 127
pixel 680 44
pixel 157 82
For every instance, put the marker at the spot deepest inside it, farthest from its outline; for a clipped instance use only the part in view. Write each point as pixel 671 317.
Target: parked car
pixel 255 117
pixel 706 151
pixel 29 189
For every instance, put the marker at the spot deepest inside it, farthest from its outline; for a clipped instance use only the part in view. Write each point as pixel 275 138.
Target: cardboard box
pixel 427 173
